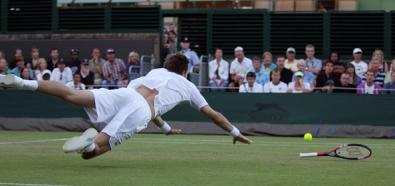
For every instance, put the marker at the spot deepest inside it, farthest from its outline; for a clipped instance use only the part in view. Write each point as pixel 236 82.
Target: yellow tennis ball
pixel 308 137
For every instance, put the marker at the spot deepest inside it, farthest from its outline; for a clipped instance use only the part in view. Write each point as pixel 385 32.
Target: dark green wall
pixel 271 108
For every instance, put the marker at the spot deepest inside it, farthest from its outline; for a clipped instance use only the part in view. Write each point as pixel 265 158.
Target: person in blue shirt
pixel 261 77
pixel 194 61
pixel 389 88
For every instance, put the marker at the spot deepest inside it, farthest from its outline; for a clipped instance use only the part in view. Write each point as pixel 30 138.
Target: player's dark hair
pixel 176 63
pixel 251 74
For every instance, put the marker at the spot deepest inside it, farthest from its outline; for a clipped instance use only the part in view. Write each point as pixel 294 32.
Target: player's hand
pixel 241 138
pixel 174 131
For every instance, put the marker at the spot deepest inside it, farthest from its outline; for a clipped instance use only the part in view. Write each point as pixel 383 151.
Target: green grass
pixel 150 159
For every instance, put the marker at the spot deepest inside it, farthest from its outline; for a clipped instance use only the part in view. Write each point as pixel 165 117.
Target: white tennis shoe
pixel 10 81
pixel 79 143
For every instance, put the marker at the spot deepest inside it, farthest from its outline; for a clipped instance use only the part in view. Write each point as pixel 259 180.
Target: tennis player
pixel 128 110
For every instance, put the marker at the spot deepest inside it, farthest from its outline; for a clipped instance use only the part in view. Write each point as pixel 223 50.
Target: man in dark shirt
pixel 75 62
pixel 344 86
pixel 53 59
pixel 327 74
pixel 285 74
pixel 87 76
pixel 389 88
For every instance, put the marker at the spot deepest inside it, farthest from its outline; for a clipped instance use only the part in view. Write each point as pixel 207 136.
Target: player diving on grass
pixel 126 111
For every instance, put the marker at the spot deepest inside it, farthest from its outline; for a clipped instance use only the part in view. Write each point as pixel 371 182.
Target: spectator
pixel 165 48
pixel 251 86
pixel 379 74
pixel 87 76
pixel 172 41
pixel 194 61
pixel 360 66
pixel 275 86
pixel 41 69
pixel 35 57
pixel 379 54
pixel 53 59
pixel 95 64
pixel 20 64
pixel 388 75
pixel 75 62
pixel 291 63
pixel 46 76
pixel 218 72
pixel 285 74
pixel 114 70
pixel 62 74
pixel 261 76
pixel 3 66
pixel 354 79
pixel 133 66
pixel 25 73
pixel 338 67
pixel 268 62
pixel 239 67
pixel 299 85
pixel 308 77
pixel 344 86
pixel 76 83
pixel 327 74
pixel 18 55
pixel 368 86
pixel 389 88
pixel 328 87
pixel 314 65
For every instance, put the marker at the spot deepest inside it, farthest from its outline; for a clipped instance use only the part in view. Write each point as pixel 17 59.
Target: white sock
pixel 30 85
pixel 90 148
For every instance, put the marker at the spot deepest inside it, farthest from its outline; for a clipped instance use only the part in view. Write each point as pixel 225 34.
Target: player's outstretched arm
pixel 165 127
pixel 222 122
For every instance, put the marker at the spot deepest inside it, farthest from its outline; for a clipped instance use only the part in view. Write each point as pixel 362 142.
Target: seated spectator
pixel 114 70
pixel 239 68
pixel 308 77
pixel 20 64
pixel 133 66
pixel 299 85
pixel 286 74
pixel 3 66
pixel 76 83
pixel 314 65
pixel 379 74
pixel 87 76
pixel 344 86
pixel 18 55
pixel 25 73
pixel 328 86
pixel 251 86
pixel 41 69
pixel 268 64
pixel 262 76
pixel 360 66
pixel 218 72
pixel 47 76
pixel 327 74
pixel 95 64
pixel 62 74
pixel 172 41
pixel 291 63
pixel 338 67
pixel 35 57
pixel 193 58
pixel 53 59
pixel 368 86
pixel 388 75
pixel 389 88
pixel 354 79
pixel 379 55
pixel 275 86
pixel 165 48
pixel 75 61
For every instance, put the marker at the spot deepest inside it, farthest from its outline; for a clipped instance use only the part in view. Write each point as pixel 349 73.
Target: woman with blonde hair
pixel 41 69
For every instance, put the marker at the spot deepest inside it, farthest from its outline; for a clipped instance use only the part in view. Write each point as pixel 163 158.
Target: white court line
pixel 33 141
pixel 28 184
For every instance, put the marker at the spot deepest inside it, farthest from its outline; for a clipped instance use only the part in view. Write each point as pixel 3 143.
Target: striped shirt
pixel 379 78
pixel 114 70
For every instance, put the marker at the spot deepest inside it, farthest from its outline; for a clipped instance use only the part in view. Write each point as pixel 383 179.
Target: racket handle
pixel 309 154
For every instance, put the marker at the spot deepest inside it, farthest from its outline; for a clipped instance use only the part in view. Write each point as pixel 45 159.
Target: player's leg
pixel 99 147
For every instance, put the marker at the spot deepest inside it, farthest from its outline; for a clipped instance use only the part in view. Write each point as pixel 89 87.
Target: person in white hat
pixel 299 86
pixel 291 62
pixel 239 67
pixel 360 66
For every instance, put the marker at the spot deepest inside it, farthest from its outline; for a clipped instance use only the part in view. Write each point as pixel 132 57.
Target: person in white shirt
pixel 126 111
pixel 291 62
pixel 76 83
pixel 218 72
pixel 41 69
pixel 360 66
pixel 251 86
pixel 299 86
pixel 275 86
pixel 239 67
pixel 62 74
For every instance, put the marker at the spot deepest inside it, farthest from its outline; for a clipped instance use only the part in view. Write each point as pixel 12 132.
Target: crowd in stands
pixel 76 73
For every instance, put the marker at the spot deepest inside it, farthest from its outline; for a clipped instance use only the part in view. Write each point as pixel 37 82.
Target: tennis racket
pixel 346 151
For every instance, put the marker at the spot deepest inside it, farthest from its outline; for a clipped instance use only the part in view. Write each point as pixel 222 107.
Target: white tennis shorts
pixel 124 111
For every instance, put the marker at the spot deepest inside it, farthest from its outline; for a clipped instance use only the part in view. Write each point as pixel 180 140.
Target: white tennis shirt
pixel 173 89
